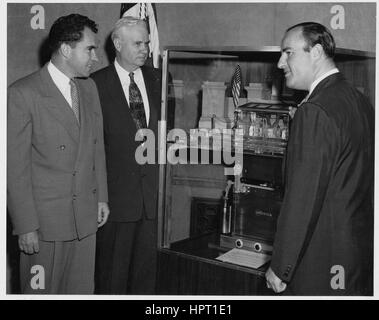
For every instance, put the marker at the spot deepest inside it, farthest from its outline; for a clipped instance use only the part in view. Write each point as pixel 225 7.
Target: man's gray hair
pixel 127 21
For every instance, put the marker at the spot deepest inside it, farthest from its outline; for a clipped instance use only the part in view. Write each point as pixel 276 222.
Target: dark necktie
pixel 136 104
pixel 75 99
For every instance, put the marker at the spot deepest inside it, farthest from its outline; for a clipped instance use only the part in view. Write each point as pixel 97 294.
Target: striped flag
pixel 236 85
pixel 145 11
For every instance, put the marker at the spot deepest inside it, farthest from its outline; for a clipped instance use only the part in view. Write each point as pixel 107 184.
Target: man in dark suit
pixel 324 239
pixel 130 95
pixel 57 188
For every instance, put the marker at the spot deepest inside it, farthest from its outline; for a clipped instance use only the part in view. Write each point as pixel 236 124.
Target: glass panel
pixel 217 194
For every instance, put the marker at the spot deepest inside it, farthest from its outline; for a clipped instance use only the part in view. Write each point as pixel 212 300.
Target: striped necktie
pixel 136 104
pixel 75 100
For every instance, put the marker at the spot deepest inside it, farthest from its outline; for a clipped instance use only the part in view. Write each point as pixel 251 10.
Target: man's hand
pixel 102 213
pixel 273 282
pixel 28 242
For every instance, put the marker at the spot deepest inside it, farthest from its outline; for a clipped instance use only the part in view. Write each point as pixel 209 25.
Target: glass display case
pixel 222 152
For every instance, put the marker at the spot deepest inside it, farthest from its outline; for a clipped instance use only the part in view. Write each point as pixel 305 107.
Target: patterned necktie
pixel 136 104
pixel 75 99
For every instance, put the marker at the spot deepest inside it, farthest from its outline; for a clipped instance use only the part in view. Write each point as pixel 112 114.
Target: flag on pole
pixel 236 85
pixel 145 11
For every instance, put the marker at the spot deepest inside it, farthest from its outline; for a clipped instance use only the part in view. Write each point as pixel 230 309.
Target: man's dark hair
pixel 315 33
pixel 69 29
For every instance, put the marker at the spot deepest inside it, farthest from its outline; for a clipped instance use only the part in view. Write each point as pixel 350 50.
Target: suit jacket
pixel 326 220
pixel 132 187
pixel 56 169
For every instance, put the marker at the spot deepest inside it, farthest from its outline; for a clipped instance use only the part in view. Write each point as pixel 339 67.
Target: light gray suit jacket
pixel 56 170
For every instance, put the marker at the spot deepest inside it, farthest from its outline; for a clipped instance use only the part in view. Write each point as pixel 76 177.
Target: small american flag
pixel 236 85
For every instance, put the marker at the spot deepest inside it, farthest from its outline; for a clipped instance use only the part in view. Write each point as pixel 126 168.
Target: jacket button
pixel 62 147
pixel 94 191
pixel 74 173
pixel 74 197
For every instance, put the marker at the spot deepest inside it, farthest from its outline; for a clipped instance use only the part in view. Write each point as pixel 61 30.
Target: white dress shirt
pixel 61 81
pixel 316 82
pixel 138 78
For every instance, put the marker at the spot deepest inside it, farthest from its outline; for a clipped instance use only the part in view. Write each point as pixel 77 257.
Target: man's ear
pixel 65 50
pixel 117 44
pixel 317 52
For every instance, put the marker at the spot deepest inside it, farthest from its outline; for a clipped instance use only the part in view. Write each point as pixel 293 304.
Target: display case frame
pixel 204 248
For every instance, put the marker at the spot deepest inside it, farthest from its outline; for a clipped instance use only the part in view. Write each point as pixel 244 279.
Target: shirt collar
pixel 124 74
pixel 319 79
pixel 59 78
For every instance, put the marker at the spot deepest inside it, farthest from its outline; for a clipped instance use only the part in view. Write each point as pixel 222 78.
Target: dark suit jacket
pixel 131 186
pixel 56 171
pixel 326 220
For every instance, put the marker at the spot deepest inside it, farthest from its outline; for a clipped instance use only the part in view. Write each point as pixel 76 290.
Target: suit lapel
pixel 85 118
pixel 153 99
pixel 57 105
pixel 325 83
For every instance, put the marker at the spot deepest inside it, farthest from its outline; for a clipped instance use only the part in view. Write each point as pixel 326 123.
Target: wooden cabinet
pixel 189 268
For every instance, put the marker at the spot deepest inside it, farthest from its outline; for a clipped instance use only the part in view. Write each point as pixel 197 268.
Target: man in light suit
pixel 324 239
pixel 57 190
pixel 126 246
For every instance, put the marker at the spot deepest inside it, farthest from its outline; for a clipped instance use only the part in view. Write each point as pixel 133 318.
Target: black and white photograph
pixel 189 149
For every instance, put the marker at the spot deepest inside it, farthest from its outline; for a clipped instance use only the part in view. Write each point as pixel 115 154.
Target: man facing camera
pixel 57 188
pixel 130 95
pixel 324 239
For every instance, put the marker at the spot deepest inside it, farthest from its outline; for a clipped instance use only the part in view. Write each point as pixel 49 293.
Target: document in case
pixel 245 258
